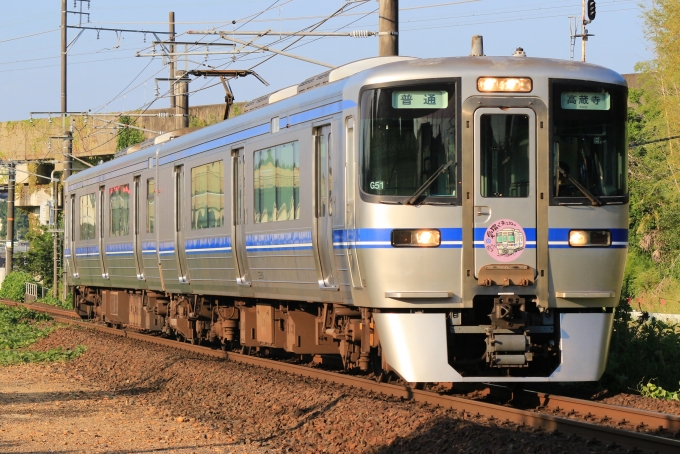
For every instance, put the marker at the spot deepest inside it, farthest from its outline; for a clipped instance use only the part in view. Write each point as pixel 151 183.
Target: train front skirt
pixel 414 345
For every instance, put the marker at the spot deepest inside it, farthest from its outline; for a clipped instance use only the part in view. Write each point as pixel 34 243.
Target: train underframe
pixel 504 336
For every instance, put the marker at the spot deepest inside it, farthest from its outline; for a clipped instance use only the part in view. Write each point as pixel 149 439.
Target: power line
pixel 28 36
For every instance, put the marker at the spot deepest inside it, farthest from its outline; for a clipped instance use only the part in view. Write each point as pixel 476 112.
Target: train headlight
pixel 416 238
pixel 504 84
pixel 590 238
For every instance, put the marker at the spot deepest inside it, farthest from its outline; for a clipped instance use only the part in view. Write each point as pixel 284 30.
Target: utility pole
pixel 9 244
pixel 388 27
pixel 182 95
pixel 67 134
pixel 587 16
pixel 171 62
pixel 66 142
pixel 179 87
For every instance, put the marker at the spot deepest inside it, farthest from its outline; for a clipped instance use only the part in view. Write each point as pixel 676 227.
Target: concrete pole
pixel 388 26
pixel 584 38
pixel 64 105
pixel 9 249
pixel 171 62
pixel 182 109
pixel 66 142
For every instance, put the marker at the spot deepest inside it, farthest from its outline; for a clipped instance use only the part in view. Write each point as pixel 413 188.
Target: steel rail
pixel 473 408
pixel 641 419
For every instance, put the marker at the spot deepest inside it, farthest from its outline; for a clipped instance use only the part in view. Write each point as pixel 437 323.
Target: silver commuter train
pixel 449 219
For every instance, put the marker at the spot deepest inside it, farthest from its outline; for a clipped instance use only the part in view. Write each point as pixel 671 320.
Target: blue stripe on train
pixel 119 249
pixel 363 238
pixel 148 247
pixel 281 241
pixel 87 251
pixel 208 245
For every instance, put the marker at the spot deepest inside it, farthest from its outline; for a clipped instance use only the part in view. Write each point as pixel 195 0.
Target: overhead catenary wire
pixel 245 57
pixel 28 36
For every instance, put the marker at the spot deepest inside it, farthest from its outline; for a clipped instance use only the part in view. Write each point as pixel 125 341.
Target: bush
pixel 642 350
pixel 52 301
pixel 13 287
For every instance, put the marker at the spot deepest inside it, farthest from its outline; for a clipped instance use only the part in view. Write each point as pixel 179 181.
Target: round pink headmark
pixel 505 240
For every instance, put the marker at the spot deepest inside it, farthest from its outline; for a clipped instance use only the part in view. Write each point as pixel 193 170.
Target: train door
pixel 180 254
pixel 505 187
pixel 238 216
pixel 322 230
pixel 100 231
pixel 350 194
pixel 136 216
pixel 72 236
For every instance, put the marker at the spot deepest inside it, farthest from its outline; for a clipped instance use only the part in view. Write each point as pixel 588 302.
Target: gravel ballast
pixel 144 397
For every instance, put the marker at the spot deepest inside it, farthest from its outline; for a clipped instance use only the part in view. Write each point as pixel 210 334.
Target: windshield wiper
pixel 593 200
pixel 428 183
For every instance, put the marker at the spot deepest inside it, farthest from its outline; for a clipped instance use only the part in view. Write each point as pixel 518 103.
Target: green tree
pixel 654 258
pixel 39 259
pixel 128 136
pixel 20 222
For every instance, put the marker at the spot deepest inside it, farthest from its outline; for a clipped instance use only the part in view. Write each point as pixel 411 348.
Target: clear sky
pixel 105 75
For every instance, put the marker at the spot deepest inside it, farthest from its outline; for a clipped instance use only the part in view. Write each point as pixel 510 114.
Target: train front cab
pixel 532 239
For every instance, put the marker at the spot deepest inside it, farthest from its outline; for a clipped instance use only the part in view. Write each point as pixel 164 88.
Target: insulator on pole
pixel 361 33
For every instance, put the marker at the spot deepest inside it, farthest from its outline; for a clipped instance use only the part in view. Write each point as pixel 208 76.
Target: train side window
pixel 207 196
pixel 119 210
pixel 87 217
pixel 276 183
pixel 150 205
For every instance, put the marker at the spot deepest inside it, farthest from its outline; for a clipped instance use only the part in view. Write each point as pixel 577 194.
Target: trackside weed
pixel 20 328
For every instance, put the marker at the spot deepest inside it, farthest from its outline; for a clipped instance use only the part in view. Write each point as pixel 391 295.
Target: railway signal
pixel 591 10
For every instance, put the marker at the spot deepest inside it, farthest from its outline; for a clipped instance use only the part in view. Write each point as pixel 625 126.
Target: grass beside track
pixel 19 329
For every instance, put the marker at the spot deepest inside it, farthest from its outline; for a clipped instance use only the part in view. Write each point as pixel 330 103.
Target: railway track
pixel 644 430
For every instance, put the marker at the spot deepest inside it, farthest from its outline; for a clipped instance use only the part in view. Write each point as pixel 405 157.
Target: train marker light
pixel 504 84
pixel 590 238
pixel 416 238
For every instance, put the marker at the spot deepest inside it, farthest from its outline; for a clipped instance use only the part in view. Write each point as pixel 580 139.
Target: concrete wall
pixel 25 140
pixel 633 80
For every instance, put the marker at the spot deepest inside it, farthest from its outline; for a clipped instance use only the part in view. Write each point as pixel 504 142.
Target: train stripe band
pixel 451 238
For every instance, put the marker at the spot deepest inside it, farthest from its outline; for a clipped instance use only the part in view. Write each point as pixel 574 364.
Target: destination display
pixel 434 99
pixel 576 100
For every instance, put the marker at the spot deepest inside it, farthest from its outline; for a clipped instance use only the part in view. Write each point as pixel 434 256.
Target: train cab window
pixel 276 183
pixel 119 210
pixel 504 153
pixel 207 196
pixel 150 205
pixel 588 141
pixel 408 134
pixel 87 217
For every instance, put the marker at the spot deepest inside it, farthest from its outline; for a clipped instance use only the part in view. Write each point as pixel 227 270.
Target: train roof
pixel 330 86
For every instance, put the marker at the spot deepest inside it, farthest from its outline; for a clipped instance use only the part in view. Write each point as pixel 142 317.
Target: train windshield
pixel 408 135
pixel 589 146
